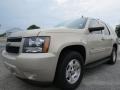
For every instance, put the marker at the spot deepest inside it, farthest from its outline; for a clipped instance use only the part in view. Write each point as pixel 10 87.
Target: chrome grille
pixel 14 39
pixel 11 47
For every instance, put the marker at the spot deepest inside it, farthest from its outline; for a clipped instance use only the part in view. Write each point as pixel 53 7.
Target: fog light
pixel 31 76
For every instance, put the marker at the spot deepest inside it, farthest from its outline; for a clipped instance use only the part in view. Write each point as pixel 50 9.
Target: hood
pixel 36 32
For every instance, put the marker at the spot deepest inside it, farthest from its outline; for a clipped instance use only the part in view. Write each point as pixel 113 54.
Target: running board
pixel 94 64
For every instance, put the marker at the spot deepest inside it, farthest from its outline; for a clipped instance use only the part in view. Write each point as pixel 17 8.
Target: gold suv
pixel 60 54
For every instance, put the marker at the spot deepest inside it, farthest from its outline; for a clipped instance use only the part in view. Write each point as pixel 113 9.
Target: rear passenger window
pixel 106 30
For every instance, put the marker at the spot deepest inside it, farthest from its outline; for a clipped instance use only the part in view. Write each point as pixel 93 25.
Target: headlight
pixel 36 44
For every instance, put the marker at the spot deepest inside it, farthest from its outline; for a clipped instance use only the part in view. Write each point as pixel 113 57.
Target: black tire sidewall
pixel 111 59
pixel 62 73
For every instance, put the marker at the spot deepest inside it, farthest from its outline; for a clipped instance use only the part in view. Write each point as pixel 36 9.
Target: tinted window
pixel 75 24
pixel 105 31
pixel 94 23
pixel 112 31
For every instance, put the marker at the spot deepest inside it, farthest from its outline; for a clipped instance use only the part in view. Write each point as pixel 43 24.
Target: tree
pixel 3 35
pixel 118 30
pixel 33 27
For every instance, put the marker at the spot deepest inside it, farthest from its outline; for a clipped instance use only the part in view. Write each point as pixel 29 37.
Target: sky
pixel 46 13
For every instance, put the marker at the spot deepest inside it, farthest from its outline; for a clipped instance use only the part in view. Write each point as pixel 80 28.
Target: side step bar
pixel 101 61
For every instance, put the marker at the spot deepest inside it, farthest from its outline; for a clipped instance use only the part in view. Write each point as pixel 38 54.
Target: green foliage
pixel 3 35
pixel 118 30
pixel 33 27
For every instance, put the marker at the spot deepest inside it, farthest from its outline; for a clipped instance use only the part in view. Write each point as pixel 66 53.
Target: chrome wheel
pixel 73 71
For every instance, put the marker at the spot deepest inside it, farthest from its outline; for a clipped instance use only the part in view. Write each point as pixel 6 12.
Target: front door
pixel 95 43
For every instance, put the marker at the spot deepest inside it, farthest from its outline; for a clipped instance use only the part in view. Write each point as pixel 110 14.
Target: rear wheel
pixel 70 70
pixel 113 56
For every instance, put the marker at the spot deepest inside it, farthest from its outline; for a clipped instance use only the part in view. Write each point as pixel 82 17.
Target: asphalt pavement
pixel 102 77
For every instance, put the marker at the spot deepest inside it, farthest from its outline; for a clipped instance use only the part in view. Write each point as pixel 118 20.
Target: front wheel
pixel 113 57
pixel 70 71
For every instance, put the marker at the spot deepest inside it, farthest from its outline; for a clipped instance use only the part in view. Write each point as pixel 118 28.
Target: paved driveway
pixel 102 77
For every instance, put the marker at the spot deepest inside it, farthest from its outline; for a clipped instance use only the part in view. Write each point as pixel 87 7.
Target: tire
pixel 113 57
pixel 64 77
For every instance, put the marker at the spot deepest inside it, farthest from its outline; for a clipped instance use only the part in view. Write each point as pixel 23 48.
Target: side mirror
pixel 91 29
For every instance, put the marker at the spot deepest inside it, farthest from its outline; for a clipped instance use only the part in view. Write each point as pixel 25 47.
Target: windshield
pixel 74 24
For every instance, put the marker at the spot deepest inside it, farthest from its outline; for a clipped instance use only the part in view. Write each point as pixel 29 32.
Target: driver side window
pixel 94 23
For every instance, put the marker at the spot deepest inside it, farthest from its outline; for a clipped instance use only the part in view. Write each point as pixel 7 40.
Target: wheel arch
pixel 79 48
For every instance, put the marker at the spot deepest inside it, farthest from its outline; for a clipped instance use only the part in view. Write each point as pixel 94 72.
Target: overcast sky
pixel 22 13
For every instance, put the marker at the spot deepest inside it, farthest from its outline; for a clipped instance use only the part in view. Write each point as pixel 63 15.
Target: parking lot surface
pixel 102 77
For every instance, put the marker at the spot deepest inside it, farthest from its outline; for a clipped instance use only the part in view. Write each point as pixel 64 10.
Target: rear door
pixel 107 40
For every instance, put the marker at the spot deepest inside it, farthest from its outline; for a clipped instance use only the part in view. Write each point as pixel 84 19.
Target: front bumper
pixel 32 66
